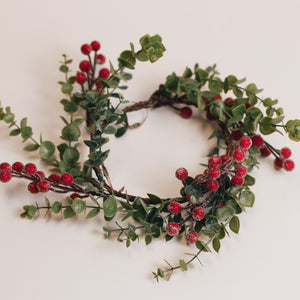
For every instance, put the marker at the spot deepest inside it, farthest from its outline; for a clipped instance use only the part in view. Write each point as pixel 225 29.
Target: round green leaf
pixel 71 155
pixel 26 132
pixel 47 149
pixel 56 207
pixel 247 198
pixel 266 126
pixel 78 206
pixel 71 132
pixel 67 88
pixel 110 207
pixel 224 213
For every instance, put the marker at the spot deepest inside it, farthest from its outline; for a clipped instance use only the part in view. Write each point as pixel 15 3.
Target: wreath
pixel 206 204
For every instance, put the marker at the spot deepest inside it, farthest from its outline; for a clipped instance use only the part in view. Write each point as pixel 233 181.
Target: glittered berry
pixel 80 78
pixel 5 167
pixel 237 135
pixel 286 152
pixel 213 185
pixel 238 155
pixel 264 151
pixel 32 188
pixel 40 174
pixel 54 177
pixel 104 73
pixel 5 176
pixel 186 112
pixel 248 105
pixel 241 171
pixel 229 102
pixel 67 179
pixel 100 59
pixel 174 207
pixel 95 45
pixel 209 116
pixel 181 173
pixel 17 166
pixel 214 161
pixel 192 237
pixel 289 165
pixel 198 213
pixel 214 173
pixel 74 196
pixel 173 228
pixel 30 169
pixel 86 49
pixel 278 163
pixel 43 186
pixel 224 158
pixel 85 66
pixel 245 142
pixel 257 141
pixel 237 181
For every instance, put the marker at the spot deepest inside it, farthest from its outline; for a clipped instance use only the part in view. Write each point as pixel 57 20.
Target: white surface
pixel 56 259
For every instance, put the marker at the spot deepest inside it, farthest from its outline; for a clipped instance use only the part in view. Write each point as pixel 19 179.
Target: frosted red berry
pixel 80 78
pixel 86 49
pixel 95 45
pixel 237 135
pixel 74 196
pixel 286 152
pixel 198 213
pixel 229 102
pixel 104 73
pixel 54 177
pixel 224 158
pixel 174 207
pixel 85 66
pixel 213 185
pixel 214 173
pixel 181 173
pixel 40 174
pixel 289 165
pixel 209 116
pixel 32 188
pixel 241 171
pixel 198 176
pixel 173 229
pixel 30 169
pixel 257 141
pixel 237 181
pixel 245 142
pixel 238 155
pixel 192 237
pixel 5 167
pixel 264 150
pixel 186 112
pixel 5 176
pixel 100 59
pixel 214 161
pixel 43 186
pixel 278 163
pixel 17 166
pixel 67 179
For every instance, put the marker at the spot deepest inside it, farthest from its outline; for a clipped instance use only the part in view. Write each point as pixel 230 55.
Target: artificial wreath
pixel 206 203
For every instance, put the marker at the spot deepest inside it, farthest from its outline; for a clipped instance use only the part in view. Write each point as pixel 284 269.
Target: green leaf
pixel 32 210
pixel 31 147
pixel 266 125
pixel 247 198
pixel 148 239
pixel 78 205
pixel 23 122
pixel 94 212
pixel 183 265
pixel 110 207
pixel 68 213
pixel 56 207
pixel 64 69
pixel 154 199
pixel 127 59
pixel 67 88
pixel 234 224
pixel 15 132
pixel 121 131
pixel 110 130
pixel 216 244
pixel 224 213
pixel 216 85
pixel 194 95
pixel 202 246
pixel 26 132
pixel 293 129
pixel 249 180
pixel 71 155
pixel 47 149
pixel 69 106
pixel 71 133
pixel 9 118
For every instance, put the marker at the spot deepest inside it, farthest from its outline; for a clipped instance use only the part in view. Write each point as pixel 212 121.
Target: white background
pixel 55 259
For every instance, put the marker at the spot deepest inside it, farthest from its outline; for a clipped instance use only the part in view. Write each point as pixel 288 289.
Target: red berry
pixel 17 166
pixel 30 169
pixel 74 196
pixel 99 84
pixel 43 186
pixel 198 213
pixel 32 188
pixel 198 176
pixel 209 116
pixel 224 158
pixel 214 173
pixel 214 161
pixel 5 167
pixel 216 98
pixel 54 177
pixel 248 105
pixel 264 150
pixel 241 171
pixel 236 135
pixel 104 73
pixel 173 228
pixel 245 142
pixel 181 173
pixel 86 49
pixel 67 179
pixel 5 176
pixel 238 155
pixel 174 207
pixel 213 185
pixel 186 112
pixel 95 45
pixel 235 180
pixel 257 141
pixel 286 152
pixel 100 59
pixel 278 163
pixel 289 165
pixel 40 174
pixel 80 77
pixel 189 197
pixel 85 66
pixel 192 237
pixel 229 102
